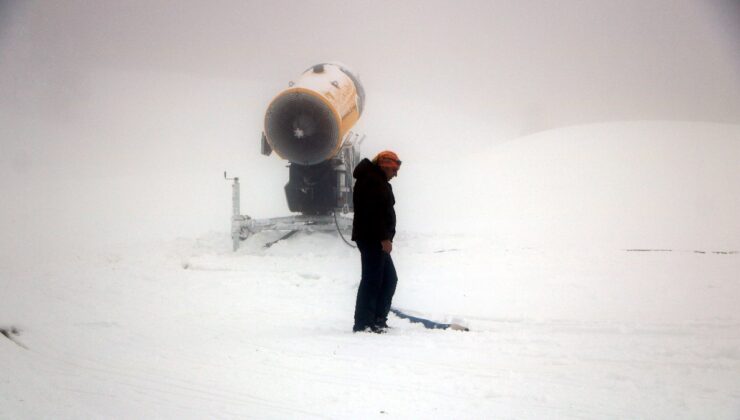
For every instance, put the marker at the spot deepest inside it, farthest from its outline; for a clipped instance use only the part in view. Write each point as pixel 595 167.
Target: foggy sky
pixel 117 118
pixel 527 65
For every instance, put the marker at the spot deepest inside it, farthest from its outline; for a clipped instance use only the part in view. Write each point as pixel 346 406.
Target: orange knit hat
pixel 387 158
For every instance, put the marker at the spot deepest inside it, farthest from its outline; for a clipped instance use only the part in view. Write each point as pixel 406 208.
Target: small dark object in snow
pixel 7 332
pixel 10 334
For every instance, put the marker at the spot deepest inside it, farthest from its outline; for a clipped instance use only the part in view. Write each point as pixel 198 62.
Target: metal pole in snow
pixel 236 216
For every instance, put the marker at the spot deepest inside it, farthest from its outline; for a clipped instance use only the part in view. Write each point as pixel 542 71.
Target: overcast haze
pixel 569 191
pixel 172 93
pixel 552 63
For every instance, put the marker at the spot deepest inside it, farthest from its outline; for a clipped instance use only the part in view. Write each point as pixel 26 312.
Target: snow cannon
pixel 306 123
pixel 309 125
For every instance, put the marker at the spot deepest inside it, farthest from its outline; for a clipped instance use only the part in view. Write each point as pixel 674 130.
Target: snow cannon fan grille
pixel 301 128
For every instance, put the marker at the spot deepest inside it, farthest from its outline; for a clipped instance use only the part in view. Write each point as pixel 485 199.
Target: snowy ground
pixel 189 329
pixel 596 268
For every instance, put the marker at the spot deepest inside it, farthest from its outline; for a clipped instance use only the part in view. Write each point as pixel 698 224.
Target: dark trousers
pixel 377 286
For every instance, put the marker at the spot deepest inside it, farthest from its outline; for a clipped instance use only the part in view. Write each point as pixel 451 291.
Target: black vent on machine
pixel 301 128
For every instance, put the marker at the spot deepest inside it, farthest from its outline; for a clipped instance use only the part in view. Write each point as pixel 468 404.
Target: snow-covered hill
pixel 596 267
pixel 628 184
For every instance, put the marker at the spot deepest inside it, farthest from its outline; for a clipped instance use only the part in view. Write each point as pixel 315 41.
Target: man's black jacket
pixel 373 200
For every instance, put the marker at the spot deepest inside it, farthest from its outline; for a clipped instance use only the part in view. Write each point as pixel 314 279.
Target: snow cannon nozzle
pixel 307 122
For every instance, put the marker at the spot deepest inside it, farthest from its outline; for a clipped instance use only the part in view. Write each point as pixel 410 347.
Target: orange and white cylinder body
pixel 307 122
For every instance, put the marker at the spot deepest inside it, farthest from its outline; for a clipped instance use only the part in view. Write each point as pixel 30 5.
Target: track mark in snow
pixel 157 385
pixel 696 251
pixel 648 250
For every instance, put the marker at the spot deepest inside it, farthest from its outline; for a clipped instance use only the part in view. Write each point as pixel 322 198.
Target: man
pixel 373 229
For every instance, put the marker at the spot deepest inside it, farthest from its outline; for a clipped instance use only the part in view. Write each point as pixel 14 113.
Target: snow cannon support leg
pixel 236 214
pixel 236 217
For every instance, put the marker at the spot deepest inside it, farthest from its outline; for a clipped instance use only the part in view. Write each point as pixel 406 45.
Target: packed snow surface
pixel 588 306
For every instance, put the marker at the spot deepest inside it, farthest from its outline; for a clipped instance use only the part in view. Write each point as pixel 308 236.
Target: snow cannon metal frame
pixel 309 125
